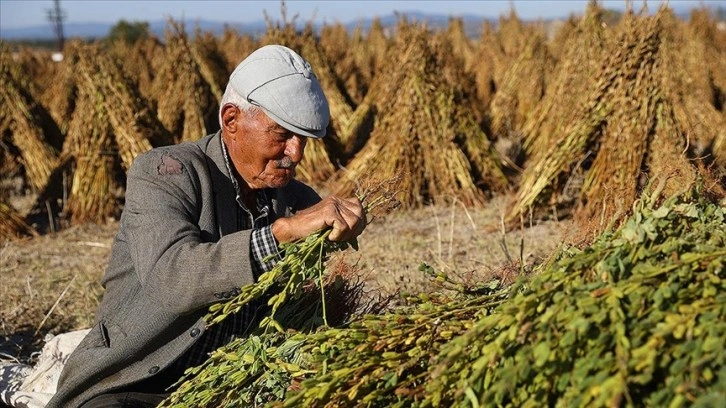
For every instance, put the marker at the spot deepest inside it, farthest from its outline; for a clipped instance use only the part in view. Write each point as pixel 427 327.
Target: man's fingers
pixel 349 220
pixel 343 225
pixel 346 217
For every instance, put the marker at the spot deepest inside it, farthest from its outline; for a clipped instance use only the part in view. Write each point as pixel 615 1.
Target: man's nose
pixel 294 148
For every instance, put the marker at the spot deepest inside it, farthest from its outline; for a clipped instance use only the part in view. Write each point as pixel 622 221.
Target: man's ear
pixel 230 115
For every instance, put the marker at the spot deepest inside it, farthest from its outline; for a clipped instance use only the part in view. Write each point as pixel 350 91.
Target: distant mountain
pixel 45 31
pixel 97 30
pixel 90 30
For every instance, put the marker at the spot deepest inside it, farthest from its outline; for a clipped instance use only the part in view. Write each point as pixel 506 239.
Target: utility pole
pixel 56 16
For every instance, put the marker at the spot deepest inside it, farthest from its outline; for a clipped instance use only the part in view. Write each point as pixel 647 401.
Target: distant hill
pixel 98 30
pixel 90 30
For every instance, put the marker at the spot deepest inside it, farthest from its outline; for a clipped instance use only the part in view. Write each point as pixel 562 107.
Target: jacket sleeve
pixel 161 221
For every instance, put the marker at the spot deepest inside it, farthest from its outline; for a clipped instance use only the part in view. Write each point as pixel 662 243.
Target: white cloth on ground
pixel 23 386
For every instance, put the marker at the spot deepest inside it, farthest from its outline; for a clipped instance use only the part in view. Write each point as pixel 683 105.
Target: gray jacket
pixel 176 251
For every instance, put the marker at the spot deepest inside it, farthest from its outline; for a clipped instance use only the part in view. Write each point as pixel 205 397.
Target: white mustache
pixel 285 163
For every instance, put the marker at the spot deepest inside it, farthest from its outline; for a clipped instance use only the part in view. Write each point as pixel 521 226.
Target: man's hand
pixel 346 216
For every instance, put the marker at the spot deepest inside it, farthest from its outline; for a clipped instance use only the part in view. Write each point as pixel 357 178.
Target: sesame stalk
pixel 304 262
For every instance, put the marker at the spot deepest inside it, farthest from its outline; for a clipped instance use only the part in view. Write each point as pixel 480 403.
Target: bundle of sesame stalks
pixel 636 319
pixel 521 88
pixel 295 290
pixel 304 262
pixel 12 224
pixel 637 97
pixel 31 128
pixel 185 98
pixel 134 125
pixel 426 132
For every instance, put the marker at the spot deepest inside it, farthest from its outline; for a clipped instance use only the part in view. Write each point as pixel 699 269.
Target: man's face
pixel 264 153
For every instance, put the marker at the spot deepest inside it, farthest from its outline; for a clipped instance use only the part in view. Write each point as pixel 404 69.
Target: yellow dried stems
pixel 424 133
pixel 186 104
pixel 28 123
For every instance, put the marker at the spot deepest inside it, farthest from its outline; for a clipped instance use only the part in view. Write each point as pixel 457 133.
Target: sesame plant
pixel 637 318
pixel 295 291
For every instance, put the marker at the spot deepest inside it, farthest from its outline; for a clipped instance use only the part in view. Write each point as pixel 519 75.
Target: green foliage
pixel 261 367
pixel 257 368
pixel 303 263
pixel 128 32
pixel 636 319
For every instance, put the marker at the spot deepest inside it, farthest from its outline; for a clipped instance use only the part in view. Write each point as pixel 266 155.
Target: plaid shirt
pixel 262 246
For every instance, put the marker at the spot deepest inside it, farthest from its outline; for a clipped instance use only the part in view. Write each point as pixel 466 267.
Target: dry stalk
pixel 61 94
pixel 31 129
pixel 424 133
pixel 12 224
pixel 236 47
pixel 134 124
pixel 583 47
pixel 186 105
pixel 138 61
pixel 632 104
pixel 90 143
pixel 520 90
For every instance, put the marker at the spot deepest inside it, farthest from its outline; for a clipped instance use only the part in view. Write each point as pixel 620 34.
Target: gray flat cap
pixel 282 83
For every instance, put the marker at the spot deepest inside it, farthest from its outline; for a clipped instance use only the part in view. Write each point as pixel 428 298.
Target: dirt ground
pixel 50 284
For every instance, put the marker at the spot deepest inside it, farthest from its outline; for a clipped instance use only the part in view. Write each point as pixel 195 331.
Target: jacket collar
pixel 224 192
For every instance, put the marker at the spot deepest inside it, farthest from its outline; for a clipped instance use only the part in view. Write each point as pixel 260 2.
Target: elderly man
pixel 200 221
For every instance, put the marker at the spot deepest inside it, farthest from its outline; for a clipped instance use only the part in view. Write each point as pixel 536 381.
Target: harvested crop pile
pixel 371 53
pixel 520 89
pixel 424 132
pixel 498 47
pixel 302 295
pixel 629 130
pixel 186 103
pixel 12 224
pixel 456 57
pixel 236 47
pixel 59 97
pixel 29 126
pixel 342 47
pixel 582 50
pixel 701 83
pixel 90 144
pixel 368 59
pixel 37 67
pixel 135 126
pixel 486 66
pixel 638 318
pixel 460 41
pixel 112 123
pixel 207 52
pixel 139 61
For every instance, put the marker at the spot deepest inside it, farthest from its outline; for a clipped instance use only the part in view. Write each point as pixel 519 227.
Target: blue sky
pixel 25 13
